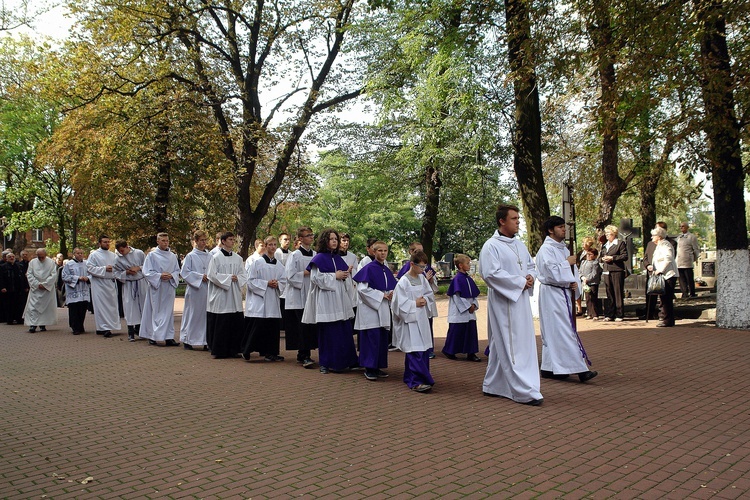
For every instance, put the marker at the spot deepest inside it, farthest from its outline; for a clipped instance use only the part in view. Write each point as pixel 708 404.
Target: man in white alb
pixel 101 268
pixel 507 268
pixel 562 350
pixel 161 271
pixel 129 270
pixel 42 301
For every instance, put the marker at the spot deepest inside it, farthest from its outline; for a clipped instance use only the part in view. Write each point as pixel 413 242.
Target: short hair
pixel 345 235
pixel 419 256
pixel 77 248
pixel 660 232
pixel 258 242
pixel 371 242
pixel 103 237
pixel 40 250
pixel 587 242
pixel 120 244
pixel 323 240
pixel 284 234
pixel 552 223
pixel 593 251
pixel 611 229
pixel 226 235
pixel 502 212
pixel 269 239
pixel 414 244
pixel 162 235
pixel 461 258
pixel 380 243
pixel 302 230
pixel 662 224
pixel 199 234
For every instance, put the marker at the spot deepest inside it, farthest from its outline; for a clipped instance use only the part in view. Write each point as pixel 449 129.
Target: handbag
pixel 656 285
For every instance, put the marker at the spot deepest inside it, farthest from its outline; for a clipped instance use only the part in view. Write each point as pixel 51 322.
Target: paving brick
pixel 657 423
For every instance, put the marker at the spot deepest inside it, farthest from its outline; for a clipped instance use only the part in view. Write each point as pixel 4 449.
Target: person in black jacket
pixel 14 288
pixel 614 254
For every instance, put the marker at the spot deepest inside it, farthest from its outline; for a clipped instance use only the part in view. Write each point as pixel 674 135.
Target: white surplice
pixel 513 365
pixel 193 325
pixel 157 322
pixel 329 299
pixel 297 284
pixel 41 305
pixel 411 324
pixel 103 290
pixel 133 285
pixel 225 295
pixel 75 289
pixel 373 311
pixel 561 353
pixel 262 301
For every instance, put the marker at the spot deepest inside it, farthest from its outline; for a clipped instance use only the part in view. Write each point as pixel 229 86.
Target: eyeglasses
pixel 306 235
pixel 421 266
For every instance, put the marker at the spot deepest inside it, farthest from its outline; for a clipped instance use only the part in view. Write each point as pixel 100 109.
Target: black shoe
pixel 32 329
pixel 42 328
pixel 588 375
pixel 534 402
pixel 246 357
pixel 76 333
pixel 187 347
pixel 324 370
pixel 450 356
pixel 100 332
pixel 171 343
pixel 205 348
pixel 152 342
pixel 473 357
pixel 267 358
pixel 489 394
pixel 308 363
pixel 548 374
pixel 371 375
pixel 131 337
pixel 382 374
pixel 107 334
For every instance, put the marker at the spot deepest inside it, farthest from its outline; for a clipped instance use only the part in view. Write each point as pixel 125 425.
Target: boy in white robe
pixel 265 284
pixel 161 271
pixel 462 335
pixel 300 337
pixel 562 351
pixel 129 270
pixel 101 268
pixel 41 304
pixel 507 268
pixel 375 285
pixel 226 279
pixel 411 323
pixel 193 326
pixel 77 290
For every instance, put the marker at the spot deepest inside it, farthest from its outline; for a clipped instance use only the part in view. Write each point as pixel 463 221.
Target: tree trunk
pixel 604 47
pixel 723 133
pixel 163 161
pixel 432 204
pixel 527 142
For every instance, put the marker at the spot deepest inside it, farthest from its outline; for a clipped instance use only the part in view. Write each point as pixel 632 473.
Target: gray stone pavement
pixel 88 417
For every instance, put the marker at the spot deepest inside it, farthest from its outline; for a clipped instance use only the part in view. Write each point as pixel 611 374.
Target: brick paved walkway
pixel 668 417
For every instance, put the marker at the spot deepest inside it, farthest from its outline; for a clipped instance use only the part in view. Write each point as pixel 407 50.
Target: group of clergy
pixel 323 296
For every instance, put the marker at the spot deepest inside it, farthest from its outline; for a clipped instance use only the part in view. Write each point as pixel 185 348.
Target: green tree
pixel 231 57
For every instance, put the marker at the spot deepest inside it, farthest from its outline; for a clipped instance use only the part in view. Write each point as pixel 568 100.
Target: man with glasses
pixel 101 269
